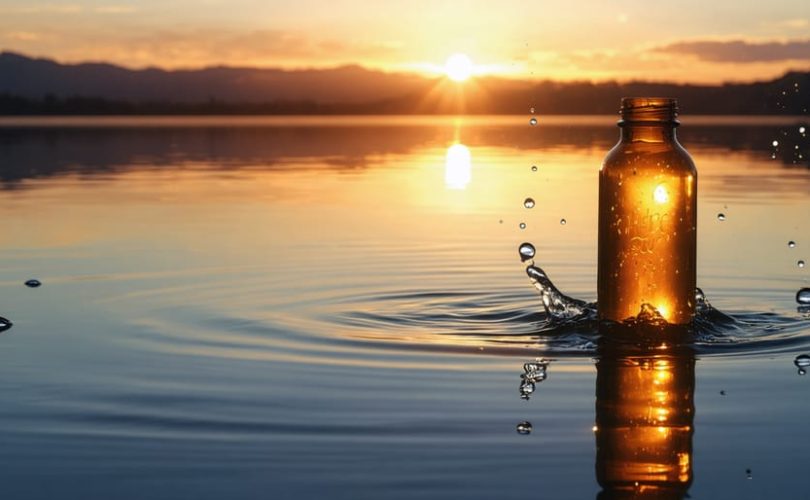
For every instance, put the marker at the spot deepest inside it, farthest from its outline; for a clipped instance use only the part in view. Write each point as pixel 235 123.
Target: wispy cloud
pixel 741 51
pixel 796 24
pixel 22 36
pixel 115 9
pixel 44 8
pixel 185 48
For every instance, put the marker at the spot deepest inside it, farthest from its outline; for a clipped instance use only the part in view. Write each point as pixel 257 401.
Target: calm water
pixel 336 308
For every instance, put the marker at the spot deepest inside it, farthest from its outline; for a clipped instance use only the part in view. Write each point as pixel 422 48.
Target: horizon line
pixel 346 65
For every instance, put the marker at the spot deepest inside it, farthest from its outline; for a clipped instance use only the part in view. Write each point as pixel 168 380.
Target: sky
pixel 700 41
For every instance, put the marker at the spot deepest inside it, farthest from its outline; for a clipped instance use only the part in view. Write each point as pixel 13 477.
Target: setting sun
pixel 458 67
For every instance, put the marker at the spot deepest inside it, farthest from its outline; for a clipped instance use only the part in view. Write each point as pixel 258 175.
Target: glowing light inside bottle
pixel 660 195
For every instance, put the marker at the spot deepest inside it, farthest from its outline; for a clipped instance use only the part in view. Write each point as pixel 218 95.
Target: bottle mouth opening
pixel 661 110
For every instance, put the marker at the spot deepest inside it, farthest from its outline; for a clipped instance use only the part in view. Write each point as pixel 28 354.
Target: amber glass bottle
pixel 647 218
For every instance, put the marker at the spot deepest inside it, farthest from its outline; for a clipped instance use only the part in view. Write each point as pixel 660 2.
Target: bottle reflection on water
pixel 644 417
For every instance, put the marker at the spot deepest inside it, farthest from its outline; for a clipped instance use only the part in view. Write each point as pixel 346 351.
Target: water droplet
pixel 722 393
pixel 533 121
pixel 802 361
pixel 5 324
pixel 531 110
pixel 791 244
pixel 526 388
pixel 700 297
pixel 524 428
pixel 526 251
pixel 528 203
pixel 33 283
pixel 775 143
pixel 801 130
pixel 534 168
pixel 522 225
pixel 563 222
pixel 800 263
pixel 748 474
pixel 721 216
pixel 803 296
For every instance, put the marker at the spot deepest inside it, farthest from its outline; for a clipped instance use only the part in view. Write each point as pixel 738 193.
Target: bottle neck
pixel 648 132
pixel 649 119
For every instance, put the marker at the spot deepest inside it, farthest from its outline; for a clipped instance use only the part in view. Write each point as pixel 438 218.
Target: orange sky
pixel 689 40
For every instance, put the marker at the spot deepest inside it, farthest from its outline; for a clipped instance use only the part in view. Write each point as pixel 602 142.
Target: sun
pixel 458 67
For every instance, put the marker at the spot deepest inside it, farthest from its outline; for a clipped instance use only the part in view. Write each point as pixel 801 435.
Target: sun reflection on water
pixel 457 167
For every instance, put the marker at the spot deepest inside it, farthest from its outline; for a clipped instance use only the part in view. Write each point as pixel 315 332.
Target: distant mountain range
pixel 42 86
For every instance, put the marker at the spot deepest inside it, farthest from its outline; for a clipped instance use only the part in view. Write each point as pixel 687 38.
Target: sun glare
pixel 458 67
pixel 457 166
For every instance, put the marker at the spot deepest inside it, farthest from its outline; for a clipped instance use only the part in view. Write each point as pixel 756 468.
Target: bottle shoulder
pixel 649 155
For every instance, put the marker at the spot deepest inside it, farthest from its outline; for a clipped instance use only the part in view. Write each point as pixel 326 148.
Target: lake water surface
pixel 336 308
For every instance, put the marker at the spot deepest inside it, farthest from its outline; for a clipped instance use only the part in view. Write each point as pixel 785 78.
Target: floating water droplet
pixel 526 388
pixel 526 251
pixel 775 143
pixel 524 428
pixel 534 372
pixel 802 361
pixel 803 296
pixel 800 263
pixel 748 474
pixel 721 216
pixel 722 393
pixel 563 222
pixel 534 168
pixel 801 130
pixel 528 203
pixel 791 244
pixel 5 324
pixel 531 110
pixel 533 121
pixel 33 283
pixel 522 225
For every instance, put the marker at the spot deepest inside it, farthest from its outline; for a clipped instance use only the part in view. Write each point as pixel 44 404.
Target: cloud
pixel 115 9
pixel 46 8
pixel 740 51
pixel 22 36
pixel 794 23
pixel 186 48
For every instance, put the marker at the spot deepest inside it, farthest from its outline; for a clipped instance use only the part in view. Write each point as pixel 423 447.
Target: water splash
pixel 558 306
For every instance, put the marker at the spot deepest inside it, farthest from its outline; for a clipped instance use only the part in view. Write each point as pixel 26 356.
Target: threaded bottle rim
pixel 662 110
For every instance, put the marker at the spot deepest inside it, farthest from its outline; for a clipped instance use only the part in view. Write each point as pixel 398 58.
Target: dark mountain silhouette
pixel 41 86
